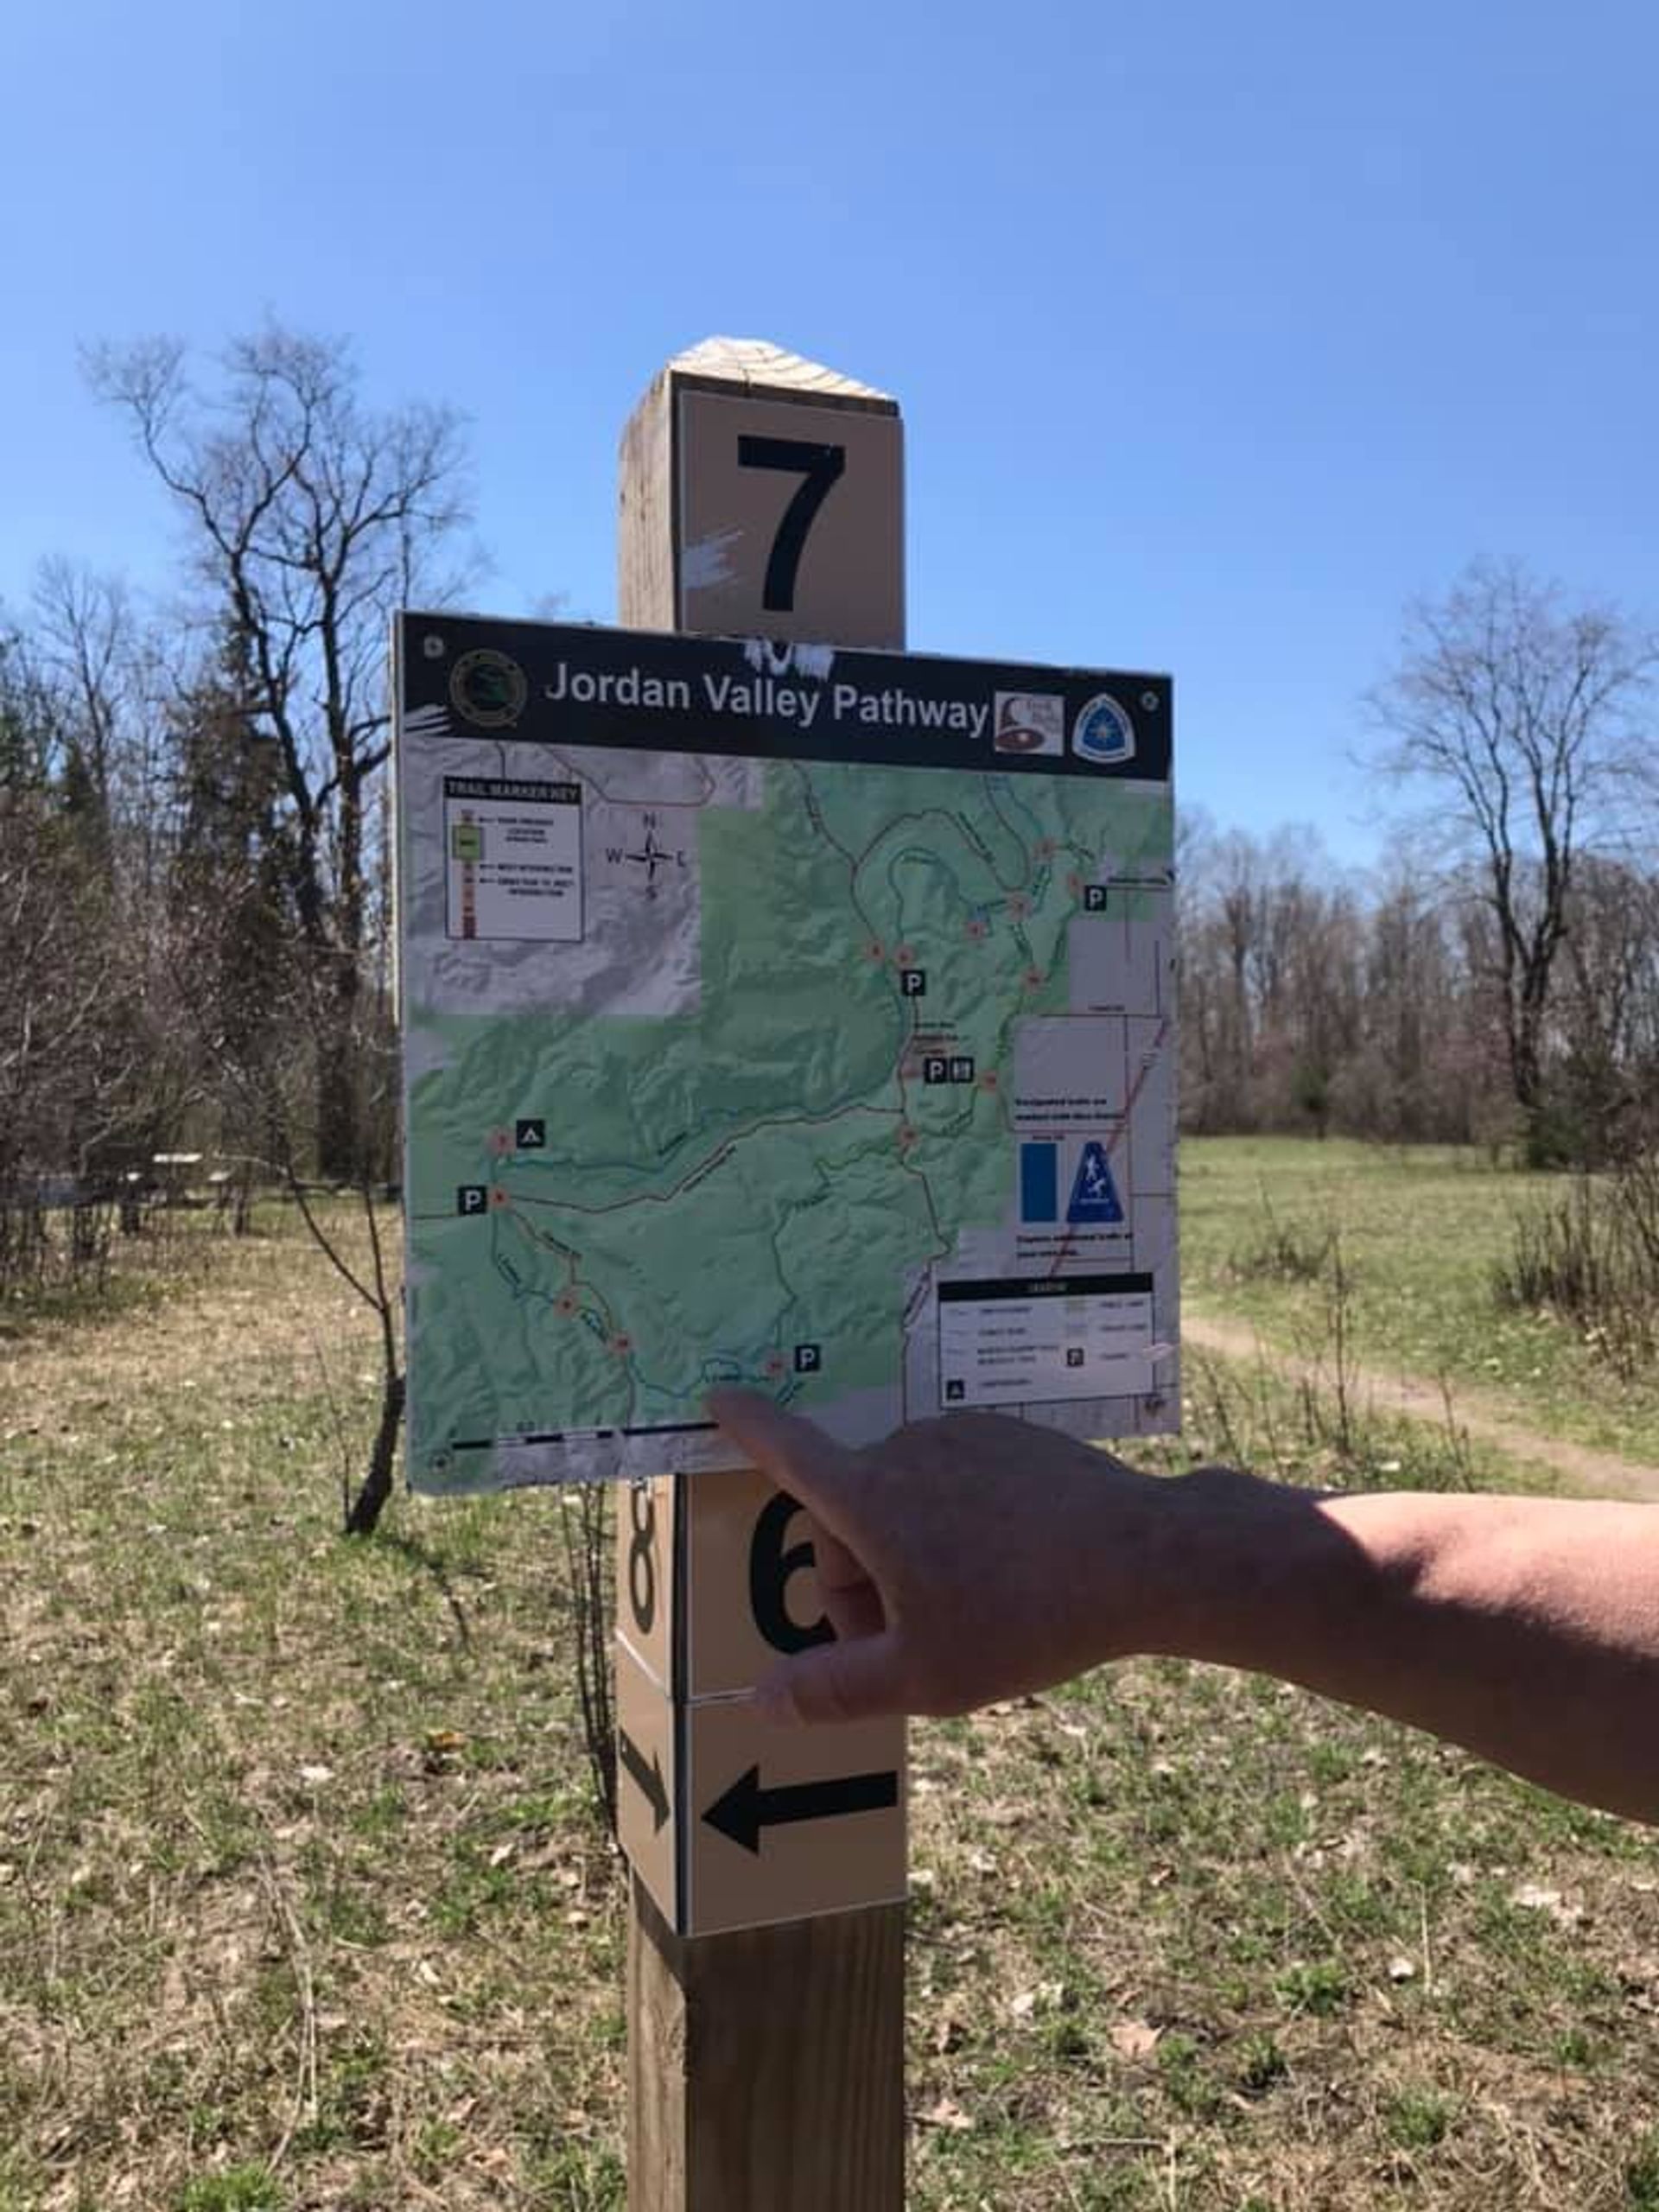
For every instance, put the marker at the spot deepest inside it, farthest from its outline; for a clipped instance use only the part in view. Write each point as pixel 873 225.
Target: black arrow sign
pixel 649 1778
pixel 746 1807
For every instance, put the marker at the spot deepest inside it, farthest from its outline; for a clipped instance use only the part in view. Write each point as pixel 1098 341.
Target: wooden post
pixel 759 496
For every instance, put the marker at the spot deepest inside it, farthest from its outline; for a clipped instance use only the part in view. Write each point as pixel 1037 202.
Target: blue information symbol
pixel 1094 1194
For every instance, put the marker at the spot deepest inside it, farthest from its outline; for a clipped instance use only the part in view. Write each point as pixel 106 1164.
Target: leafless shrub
pixel 1590 1257
pixel 586 1518
pixel 1284 1251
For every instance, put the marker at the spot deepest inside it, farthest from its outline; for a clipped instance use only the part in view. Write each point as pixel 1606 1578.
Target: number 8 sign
pixel 747 1589
pixel 644 1567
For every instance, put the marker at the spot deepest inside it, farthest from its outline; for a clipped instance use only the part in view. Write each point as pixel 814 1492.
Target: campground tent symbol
pixel 1094 1194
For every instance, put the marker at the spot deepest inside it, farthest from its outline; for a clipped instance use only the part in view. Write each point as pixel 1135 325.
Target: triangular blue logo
pixel 1094 1195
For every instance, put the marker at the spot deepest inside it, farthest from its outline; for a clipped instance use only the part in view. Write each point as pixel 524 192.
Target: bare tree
pixel 309 518
pixel 82 641
pixel 1521 716
pixel 92 1074
pixel 1605 1028
pixel 1424 1069
pixel 29 737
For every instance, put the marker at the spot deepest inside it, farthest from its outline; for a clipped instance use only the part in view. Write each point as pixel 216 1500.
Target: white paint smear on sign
pixel 710 562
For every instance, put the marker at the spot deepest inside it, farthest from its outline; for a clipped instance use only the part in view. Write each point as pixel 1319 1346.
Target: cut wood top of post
pixel 758 366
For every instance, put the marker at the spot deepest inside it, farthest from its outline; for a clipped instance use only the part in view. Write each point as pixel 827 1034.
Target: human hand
pixel 962 1560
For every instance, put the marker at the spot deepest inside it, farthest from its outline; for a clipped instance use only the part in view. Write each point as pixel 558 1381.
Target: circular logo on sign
pixel 488 689
pixel 1103 732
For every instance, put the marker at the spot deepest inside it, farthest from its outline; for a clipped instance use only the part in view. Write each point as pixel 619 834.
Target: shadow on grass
pixel 429 1562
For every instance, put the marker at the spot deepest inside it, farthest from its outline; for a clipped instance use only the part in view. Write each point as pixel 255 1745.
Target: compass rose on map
pixel 647 855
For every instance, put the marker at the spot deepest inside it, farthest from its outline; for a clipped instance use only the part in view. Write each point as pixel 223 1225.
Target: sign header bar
pixel 578 684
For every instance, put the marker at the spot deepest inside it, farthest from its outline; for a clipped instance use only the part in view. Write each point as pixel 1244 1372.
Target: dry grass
pixel 303 1904
pixel 284 1818
pixel 1424 1233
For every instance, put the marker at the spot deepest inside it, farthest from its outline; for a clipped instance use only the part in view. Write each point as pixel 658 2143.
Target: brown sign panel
pixel 782 1823
pixel 646 1800
pixel 644 1574
pixel 790 519
pixel 751 1593
pixel 730 1822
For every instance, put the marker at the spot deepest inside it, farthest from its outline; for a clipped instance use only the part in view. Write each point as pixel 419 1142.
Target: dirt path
pixel 1605 1474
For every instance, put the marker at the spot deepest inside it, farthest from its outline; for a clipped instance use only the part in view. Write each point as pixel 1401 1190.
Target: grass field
pixel 1421 1233
pixel 303 1904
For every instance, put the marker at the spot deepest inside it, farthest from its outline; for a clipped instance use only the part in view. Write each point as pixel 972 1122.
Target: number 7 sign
pixel 790 517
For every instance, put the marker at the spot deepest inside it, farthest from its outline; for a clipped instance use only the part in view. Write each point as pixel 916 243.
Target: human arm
pixel 976 1557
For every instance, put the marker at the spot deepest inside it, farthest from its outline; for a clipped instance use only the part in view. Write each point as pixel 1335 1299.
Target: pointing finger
pixel 797 1455
pixel 854 1680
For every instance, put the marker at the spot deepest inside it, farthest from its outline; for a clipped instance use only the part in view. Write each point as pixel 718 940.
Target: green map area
pixel 656 1203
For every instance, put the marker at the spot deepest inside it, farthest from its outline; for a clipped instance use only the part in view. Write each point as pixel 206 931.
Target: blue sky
pixel 1219 332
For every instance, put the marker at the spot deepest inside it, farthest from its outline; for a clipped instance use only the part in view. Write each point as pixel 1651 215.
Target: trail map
pixel 782 1017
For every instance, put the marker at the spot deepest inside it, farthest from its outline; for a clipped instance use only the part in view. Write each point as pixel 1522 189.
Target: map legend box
pixel 1018 1343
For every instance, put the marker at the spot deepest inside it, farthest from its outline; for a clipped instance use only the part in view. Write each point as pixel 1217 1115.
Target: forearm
pixel 1526 1629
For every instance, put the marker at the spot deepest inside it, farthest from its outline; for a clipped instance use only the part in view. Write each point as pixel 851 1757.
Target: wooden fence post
pixel 760 496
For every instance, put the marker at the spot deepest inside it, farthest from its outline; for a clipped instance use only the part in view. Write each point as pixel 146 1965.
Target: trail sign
pixel 716 1581
pixel 787 1012
pixel 706 1600
pixel 774 523
pixel 647 1780
pixel 748 1556
pixel 732 1824
pixel 805 964
pixel 1094 1194
pixel 745 1811
pixel 646 1525
pixel 788 1812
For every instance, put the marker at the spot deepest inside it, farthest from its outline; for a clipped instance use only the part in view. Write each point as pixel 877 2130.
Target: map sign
pixel 777 1016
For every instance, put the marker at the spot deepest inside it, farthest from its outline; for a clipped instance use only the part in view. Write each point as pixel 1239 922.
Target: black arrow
pixel 746 1807
pixel 649 1778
